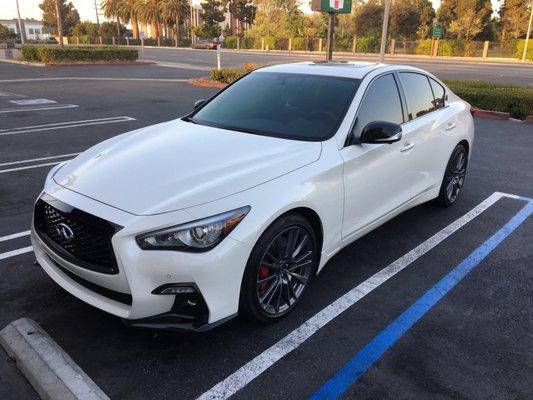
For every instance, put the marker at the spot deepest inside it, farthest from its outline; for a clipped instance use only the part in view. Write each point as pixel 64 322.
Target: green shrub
pixel 520 49
pixel 299 44
pixel 517 101
pixel 226 75
pixel 271 43
pixel 367 45
pixel 51 54
pixel 424 47
pixel 230 42
pixel 29 53
pixel 447 48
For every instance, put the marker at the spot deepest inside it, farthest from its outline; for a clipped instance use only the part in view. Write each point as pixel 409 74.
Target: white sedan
pixel 234 208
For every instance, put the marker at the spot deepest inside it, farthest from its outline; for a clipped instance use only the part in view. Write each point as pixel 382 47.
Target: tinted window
pixel 438 92
pixel 381 103
pixel 294 106
pixel 418 92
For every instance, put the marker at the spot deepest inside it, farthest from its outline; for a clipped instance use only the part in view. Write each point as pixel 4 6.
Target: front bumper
pixel 216 274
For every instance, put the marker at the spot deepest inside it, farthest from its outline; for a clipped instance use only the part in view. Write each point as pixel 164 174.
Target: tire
pixel 276 278
pixel 454 177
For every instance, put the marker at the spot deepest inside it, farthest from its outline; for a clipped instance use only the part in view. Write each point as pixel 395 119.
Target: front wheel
pixel 454 177
pixel 280 268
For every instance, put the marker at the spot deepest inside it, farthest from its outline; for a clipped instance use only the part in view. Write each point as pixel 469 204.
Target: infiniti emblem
pixel 65 232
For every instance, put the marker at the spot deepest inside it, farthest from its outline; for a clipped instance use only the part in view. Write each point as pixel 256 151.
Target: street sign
pixel 332 6
pixel 437 32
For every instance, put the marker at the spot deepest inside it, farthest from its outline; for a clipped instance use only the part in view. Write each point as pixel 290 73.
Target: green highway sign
pixel 332 6
pixel 437 32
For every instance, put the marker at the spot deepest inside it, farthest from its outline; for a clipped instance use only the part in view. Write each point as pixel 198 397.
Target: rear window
pixel 292 106
pixel 420 99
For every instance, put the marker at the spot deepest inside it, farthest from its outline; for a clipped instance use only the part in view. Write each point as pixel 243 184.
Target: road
pixel 474 343
pixel 203 60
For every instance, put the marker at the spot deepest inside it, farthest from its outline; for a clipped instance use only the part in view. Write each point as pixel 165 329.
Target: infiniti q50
pixel 234 208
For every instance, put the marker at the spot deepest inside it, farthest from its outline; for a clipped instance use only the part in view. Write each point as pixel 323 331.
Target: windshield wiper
pixel 189 119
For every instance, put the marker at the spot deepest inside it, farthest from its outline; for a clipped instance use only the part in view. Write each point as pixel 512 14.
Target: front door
pixel 377 177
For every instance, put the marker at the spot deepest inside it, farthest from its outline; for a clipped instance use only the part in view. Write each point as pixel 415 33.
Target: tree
pixel 404 19
pixel 150 13
pixel 514 15
pixel 111 9
pixel 129 12
pixel 176 11
pixel 466 26
pixel 274 18
pixel 84 28
pixel 243 11
pixel 468 11
pixel 109 29
pixel 69 16
pixel 4 32
pixel 368 19
pixel 213 14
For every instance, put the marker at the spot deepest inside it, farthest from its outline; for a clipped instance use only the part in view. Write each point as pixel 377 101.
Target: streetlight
pixel 528 32
pixel 384 31
pixel 21 28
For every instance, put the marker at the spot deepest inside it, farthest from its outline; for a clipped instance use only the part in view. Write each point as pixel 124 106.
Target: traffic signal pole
pixel 384 31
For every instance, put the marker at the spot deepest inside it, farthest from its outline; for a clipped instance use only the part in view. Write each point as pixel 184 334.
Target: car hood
pixel 178 164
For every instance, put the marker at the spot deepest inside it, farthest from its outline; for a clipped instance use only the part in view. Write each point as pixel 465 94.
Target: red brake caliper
pixel 263 273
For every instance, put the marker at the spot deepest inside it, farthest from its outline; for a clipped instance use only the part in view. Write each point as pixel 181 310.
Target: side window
pixel 438 92
pixel 381 103
pixel 419 96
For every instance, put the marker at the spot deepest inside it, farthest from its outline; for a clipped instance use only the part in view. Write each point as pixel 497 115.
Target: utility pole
pixel 97 18
pixel 384 31
pixel 21 28
pixel 528 33
pixel 59 24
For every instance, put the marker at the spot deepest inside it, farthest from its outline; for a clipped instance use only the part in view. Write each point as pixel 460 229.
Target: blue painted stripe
pixel 373 350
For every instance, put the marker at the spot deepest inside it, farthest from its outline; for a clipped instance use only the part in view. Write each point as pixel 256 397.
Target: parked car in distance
pixel 234 208
pixel 210 44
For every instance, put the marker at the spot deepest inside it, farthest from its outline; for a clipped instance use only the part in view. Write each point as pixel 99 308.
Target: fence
pixel 427 47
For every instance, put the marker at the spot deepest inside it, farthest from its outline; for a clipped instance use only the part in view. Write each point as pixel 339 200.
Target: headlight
pixel 200 235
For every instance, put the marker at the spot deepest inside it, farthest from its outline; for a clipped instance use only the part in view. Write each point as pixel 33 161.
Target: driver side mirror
pixel 199 103
pixel 379 132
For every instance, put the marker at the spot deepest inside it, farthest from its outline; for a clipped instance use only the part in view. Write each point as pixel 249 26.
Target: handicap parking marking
pixel 251 370
pixel 64 125
pixel 11 94
pixel 32 102
pixel 345 377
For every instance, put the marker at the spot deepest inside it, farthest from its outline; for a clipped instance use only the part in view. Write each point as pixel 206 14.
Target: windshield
pixel 292 106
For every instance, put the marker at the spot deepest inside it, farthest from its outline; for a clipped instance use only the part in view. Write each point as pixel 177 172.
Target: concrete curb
pixel 51 372
pixel 79 64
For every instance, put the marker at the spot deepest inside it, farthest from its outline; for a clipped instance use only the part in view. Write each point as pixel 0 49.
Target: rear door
pixel 428 121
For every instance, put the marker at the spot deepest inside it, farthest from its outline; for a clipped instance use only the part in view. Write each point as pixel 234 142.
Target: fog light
pixel 177 290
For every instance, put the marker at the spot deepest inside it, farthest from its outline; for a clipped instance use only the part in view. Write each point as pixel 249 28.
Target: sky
pixel 30 8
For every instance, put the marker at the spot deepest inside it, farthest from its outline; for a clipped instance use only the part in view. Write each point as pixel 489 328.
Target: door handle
pixel 406 147
pixel 450 126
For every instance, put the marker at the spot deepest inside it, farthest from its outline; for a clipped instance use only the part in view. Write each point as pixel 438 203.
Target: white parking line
pixel 64 125
pixel 14 236
pixel 73 78
pixel 251 370
pixel 36 159
pixel 15 252
pixel 4 171
pixel 58 107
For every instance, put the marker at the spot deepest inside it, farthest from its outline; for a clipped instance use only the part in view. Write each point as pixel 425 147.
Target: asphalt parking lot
pixel 473 343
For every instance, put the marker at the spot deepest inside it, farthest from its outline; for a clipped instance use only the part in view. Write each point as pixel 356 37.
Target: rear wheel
pixel 279 270
pixel 454 177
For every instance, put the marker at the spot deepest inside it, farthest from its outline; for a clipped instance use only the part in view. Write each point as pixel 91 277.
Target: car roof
pixel 348 69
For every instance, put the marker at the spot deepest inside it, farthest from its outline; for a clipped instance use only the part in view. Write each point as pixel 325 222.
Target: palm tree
pixel 177 11
pixel 129 12
pixel 112 9
pixel 150 13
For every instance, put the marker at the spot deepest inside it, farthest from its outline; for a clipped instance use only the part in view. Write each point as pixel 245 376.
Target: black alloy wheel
pixel 454 176
pixel 281 266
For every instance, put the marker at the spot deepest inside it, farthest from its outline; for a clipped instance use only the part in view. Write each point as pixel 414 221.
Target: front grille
pixel 88 240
